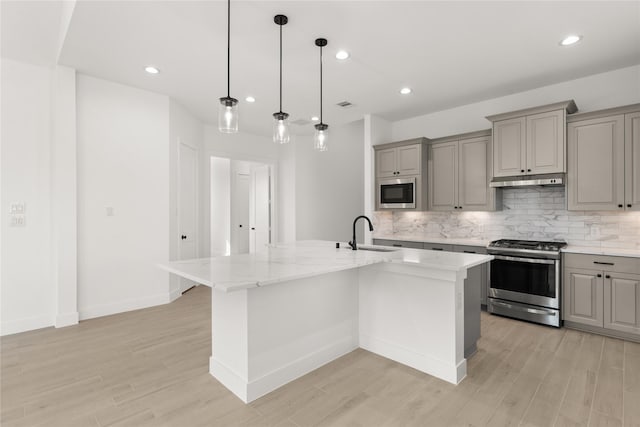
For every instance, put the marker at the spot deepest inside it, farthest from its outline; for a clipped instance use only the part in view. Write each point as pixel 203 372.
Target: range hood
pixel 554 179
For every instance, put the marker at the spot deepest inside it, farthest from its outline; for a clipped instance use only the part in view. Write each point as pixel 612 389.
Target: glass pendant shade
pixel 281 128
pixel 228 115
pixel 321 137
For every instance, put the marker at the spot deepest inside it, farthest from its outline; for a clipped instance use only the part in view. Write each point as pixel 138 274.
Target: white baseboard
pixel 24 325
pixel 252 390
pixel 122 306
pixel 422 362
pixel 174 295
pixel 67 319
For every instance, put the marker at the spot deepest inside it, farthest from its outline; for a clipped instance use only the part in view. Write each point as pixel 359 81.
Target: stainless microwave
pixel 397 193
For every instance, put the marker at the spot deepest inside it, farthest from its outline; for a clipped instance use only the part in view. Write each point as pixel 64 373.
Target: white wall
pixel 329 185
pixel 123 163
pixel 184 128
pixel 610 89
pixel 376 131
pixel 220 189
pixel 285 193
pixel 27 289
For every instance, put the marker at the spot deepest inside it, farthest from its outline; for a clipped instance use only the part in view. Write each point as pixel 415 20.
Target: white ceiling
pixel 450 53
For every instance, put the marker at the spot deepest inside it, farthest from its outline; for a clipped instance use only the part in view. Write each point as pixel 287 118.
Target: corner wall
pixel 123 202
pixel 329 186
pixel 599 91
pixel 27 290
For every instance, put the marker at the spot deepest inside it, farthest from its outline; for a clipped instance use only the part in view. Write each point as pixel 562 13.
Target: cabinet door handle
pixel 607 277
pixel 470 252
pixel 629 205
pixel 620 206
pixel 437 249
pixel 183 237
pixel 521 170
pixel 603 263
pixel 528 170
pixel 397 245
pixel 599 275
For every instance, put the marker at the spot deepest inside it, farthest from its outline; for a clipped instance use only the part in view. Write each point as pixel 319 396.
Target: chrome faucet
pixel 353 243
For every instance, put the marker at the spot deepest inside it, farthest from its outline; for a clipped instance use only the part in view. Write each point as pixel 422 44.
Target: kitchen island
pixel 281 313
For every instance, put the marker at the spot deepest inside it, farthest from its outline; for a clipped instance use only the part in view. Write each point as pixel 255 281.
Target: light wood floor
pixel 149 368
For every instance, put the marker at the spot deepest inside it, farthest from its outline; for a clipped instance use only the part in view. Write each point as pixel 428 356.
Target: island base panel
pixel 265 337
pixel 415 318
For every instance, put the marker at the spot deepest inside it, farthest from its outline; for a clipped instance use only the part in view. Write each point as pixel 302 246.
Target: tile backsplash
pixel 527 213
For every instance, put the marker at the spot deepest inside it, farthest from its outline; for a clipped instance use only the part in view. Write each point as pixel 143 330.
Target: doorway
pixel 241 206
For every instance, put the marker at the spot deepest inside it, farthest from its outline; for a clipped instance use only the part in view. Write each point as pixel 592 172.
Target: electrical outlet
pixel 17 220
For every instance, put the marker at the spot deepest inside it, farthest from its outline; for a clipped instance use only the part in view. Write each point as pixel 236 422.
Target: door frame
pixel 273 172
pixel 179 196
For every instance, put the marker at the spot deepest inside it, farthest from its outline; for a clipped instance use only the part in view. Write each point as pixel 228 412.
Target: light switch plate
pixel 16 208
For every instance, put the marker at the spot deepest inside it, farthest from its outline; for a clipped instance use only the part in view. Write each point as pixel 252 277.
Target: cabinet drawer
pixel 398 243
pixel 603 262
pixel 438 247
pixel 470 249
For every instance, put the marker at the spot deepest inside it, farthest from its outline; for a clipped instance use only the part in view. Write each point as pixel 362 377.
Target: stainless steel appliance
pixel 525 280
pixel 397 193
pixel 556 179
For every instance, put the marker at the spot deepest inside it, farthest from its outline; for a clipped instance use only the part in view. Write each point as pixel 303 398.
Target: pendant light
pixel 322 129
pixel 228 109
pixel 280 119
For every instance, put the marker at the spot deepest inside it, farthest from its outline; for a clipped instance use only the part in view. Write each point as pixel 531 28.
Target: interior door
pixel 241 213
pixel 261 209
pixel 187 208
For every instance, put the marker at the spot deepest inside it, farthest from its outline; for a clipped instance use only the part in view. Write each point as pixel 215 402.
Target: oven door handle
pixel 529 260
pixel 525 309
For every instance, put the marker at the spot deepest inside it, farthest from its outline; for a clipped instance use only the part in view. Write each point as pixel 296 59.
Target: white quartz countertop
pixel 442 240
pixel 279 263
pixel 632 253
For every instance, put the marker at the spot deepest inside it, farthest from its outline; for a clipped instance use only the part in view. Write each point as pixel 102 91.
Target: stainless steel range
pixel 525 280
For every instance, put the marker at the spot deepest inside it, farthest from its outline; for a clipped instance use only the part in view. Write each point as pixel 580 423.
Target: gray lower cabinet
pixel 398 243
pixel 602 294
pixel 438 247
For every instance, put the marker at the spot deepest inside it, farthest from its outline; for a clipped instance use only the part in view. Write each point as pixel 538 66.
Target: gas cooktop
pixel 532 245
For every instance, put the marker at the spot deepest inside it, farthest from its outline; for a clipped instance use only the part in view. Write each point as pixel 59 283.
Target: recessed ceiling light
pixel 250 99
pixel 151 70
pixel 405 90
pixel 342 54
pixel 315 118
pixel 569 40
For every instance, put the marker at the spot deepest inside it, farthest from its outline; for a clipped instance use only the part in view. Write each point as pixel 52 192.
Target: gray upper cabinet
pixel 459 173
pixel 632 159
pixel 509 147
pixel 604 160
pixel 546 142
pixel 399 161
pixel 531 141
pixel 443 176
pixel 386 163
pixel 596 164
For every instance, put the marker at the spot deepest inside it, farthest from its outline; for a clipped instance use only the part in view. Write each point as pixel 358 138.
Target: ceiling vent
pixel 301 122
pixel 344 104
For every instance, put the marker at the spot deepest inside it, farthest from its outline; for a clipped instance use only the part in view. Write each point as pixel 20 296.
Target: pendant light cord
pixel 228 48
pixel 321 84
pixel 281 68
